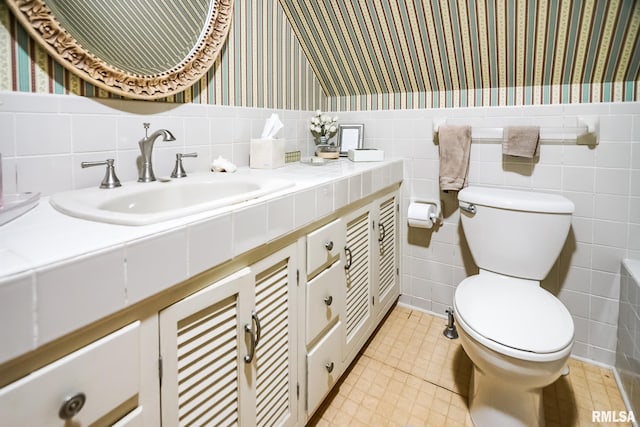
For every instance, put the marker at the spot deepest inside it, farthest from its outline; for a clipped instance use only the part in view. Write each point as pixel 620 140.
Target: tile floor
pixel 409 374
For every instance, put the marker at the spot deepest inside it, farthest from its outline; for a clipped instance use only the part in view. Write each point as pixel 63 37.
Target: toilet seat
pixel 514 317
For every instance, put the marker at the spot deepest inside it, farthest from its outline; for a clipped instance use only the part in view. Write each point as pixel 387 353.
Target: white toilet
pixel 517 334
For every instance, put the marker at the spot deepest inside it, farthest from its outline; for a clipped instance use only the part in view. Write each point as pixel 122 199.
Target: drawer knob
pixel 329 367
pixel 71 406
pixel 329 245
pixel 328 300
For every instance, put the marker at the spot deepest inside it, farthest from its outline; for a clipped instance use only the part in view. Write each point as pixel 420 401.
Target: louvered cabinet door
pixel 359 303
pixel 388 287
pixel 202 345
pixel 275 360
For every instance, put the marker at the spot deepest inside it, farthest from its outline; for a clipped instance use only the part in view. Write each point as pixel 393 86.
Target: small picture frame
pixel 350 137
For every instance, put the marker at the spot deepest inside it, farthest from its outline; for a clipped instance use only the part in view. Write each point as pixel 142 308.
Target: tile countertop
pixel 51 263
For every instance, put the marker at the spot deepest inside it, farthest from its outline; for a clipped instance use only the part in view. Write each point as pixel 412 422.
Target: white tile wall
pixel 603 182
pixel 47 136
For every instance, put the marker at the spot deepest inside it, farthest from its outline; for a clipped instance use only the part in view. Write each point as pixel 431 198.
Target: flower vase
pixel 323 140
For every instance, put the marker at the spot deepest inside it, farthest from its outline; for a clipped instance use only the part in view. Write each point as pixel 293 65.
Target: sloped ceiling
pixel 359 47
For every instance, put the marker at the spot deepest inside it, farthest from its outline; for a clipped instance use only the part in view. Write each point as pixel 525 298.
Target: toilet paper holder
pixel 424 213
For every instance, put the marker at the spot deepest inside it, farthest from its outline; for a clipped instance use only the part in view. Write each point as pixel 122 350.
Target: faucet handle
pixel 178 170
pixel 110 179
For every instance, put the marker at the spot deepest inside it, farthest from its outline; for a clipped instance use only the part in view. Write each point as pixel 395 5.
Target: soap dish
pixel 14 205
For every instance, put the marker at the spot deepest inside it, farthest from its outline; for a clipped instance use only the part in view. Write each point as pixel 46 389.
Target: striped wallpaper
pixel 392 54
pixel 439 53
pixel 261 65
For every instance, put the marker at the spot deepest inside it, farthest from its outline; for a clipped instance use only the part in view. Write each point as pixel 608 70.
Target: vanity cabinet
pixel 229 351
pixel 386 268
pixel 261 345
pixel 96 385
pixel 325 299
pixel 358 313
pixel 348 292
pixel 371 269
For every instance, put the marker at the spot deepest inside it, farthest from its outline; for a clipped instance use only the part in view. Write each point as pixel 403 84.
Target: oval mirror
pixel 143 49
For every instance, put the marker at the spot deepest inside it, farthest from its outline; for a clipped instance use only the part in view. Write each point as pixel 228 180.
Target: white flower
pixel 323 124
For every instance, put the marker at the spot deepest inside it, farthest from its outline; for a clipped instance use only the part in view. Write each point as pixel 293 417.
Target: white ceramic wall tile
pixel 210 243
pixel 578 155
pixel 576 302
pixel 615 128
pixel 17 326
pixel 577 279
pixel 153 266
pixel 610 233
pixel 611 207
pixel 47 174
pixel 249 228
pixel 602 335
pixel 633 239
pixel 579 179
pixel 605 258
pixel 613 155
pixel 606 285
pixel 9 175
pixel 220 131
pixel 240 154
pixel 8 140
pixel 130 131
pixel 612 181
pixel 29 102
pixel 604 310
pixel 74 294
pixel 196 131
pixel 547 177
pixel 93 133
pixel 38 134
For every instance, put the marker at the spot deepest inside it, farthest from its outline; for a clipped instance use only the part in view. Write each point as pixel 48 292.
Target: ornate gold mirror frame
pixel 40 21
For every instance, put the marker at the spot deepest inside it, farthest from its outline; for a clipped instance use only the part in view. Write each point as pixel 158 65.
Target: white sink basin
pixel 146 203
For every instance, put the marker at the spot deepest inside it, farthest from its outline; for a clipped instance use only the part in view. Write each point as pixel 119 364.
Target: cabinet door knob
pixel 329 245
pixel 328 300
pixel 71 406
pixel 329 367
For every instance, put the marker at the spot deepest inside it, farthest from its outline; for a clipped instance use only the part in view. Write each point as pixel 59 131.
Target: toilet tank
pixel 514 232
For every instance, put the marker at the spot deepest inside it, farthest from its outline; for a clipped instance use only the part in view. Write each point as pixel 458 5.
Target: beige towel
pixel 521 141
pixel 454 146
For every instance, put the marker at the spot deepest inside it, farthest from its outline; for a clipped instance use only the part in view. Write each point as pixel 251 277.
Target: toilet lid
pixel 512 313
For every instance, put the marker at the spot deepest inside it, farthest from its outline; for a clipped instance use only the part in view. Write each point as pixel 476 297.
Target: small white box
pixel 266 153
pixel 366 155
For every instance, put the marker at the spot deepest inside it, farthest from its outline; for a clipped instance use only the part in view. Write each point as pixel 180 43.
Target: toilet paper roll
pixel 420 215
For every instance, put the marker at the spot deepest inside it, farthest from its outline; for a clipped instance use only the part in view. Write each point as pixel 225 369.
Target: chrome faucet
pixel 146 149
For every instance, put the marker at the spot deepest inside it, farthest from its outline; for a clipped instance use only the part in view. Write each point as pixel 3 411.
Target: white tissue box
pixel 266 153
pixel 366 155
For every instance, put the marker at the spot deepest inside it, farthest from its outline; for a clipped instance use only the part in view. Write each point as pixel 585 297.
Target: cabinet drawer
pixel 107 372
pixel 324 366
pixel 326 295
pixel 324 245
